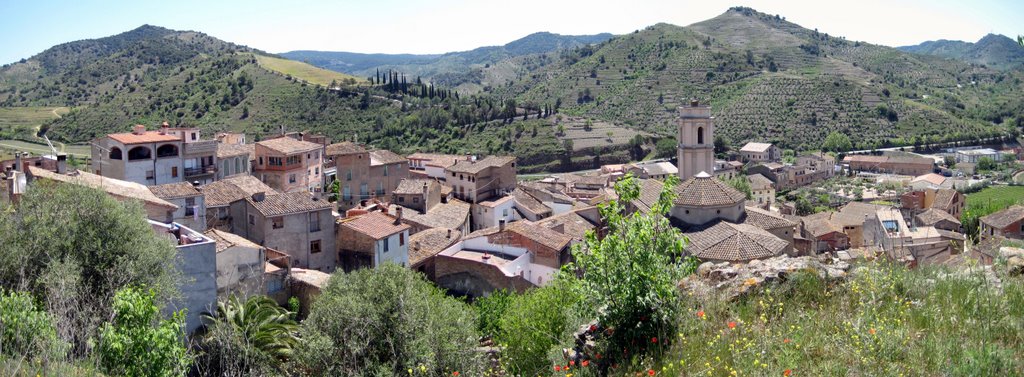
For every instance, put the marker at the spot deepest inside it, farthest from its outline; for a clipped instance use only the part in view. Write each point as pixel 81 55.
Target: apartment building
pixel 289 165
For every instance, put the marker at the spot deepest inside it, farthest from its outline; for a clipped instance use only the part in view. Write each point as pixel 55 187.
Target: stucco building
pixel 695 135
pixel 295 223
pixel 289 165
pixel 476 181
pixel 168 155
pixel 374 238
pixel 760 152
pixel 191 210
pixel 364 175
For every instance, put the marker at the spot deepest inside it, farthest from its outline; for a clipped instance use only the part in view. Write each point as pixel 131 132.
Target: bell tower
pixel 696 136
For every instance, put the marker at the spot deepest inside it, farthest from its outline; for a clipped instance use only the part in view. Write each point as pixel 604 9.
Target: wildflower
pixel 872 331
pixel 572 362
pixel 410 371
pixel 732 325
pixel 700 313
pixel 786 341
pixel 654 340
pixel 787 372
pixel 585 363
pixel 455 373
pixel 650 372
pixel 598 356
pixel 558 368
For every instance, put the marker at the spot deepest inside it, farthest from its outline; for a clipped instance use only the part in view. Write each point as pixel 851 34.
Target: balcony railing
pixel 208 169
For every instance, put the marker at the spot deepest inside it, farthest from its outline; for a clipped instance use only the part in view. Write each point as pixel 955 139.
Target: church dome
pixel 703 190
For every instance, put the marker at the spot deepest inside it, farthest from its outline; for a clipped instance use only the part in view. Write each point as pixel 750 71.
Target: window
pixel 115 153
pixel 700 135
pixel 415 199
pixel 139 153
pixel 190 204
pixel 261 160
pixel 401 199
pixel 401 239
pixel 364 191
pixel 314 221
pixel 294 160
pixel 504 212
pixel 167 150
pixel 385 170
pixel 348 175
pixel 278 222
pixel 174 172
pixel 291 178
pixel 252 220
pixel 380 188
pixel 386 245
pixel 346 193
pixel 150 174
pixel 314 246
pixel 238 165
pixel 274 161
pixel 317 171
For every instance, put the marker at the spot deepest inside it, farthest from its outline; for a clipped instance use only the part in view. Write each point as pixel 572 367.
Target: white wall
pixel 486 217
pixel 397 253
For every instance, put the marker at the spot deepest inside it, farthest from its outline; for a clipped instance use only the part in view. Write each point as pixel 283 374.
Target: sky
pixel 437 26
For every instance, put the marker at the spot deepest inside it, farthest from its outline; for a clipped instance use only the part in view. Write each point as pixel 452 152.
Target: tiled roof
pixel 725 241
pixel 287 145
pixel 230 189
pixel 227 240
pixel 438 160
pixel 704 190
pixel 471 167
pixel 385 157
pixel 230 150
pixel 932 178
pixel 820 224
pixel 759 182
pixel 174 190
pixel 855 213
pixel 345 147
pixel 525 200
pixel 944 199
pixel 765 220
pixel 591 180
pixel 573 225
pixel 532 231
pixel 428 243
pixel 114 187
pixel 451 215
pixel 145 137
pixel 311 278
pixel 659 168
pixel 288 203
pixel 933 216
pixel 889 159
pixel 1005 217
pixel 494 202
pixel 376 225
pixel 414 186
pixel 755 147
pixel 650 192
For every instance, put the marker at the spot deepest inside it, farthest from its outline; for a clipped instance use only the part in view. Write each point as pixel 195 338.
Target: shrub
pixel 138 343
pixel 533 327
pixel 27 331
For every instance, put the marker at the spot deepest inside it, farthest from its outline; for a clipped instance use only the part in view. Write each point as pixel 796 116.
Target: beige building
pixel 365 175
pixel 289 165
pixel 234 159
pixel 762 189
pixel 168 155
pixel 475 181
pixel 241 265
pixel 695 136
pixel 1008 223
pixel 191 210
pixel 760 152
pixel 419 195
pixel 295 223
pixel 219 196
pixel 372 239
pixel 432 165
pixel 157 209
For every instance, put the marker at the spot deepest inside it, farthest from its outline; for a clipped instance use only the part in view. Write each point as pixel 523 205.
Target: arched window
pixel 139 153
pixel 700 135
pixel 167 150
pixel 115 153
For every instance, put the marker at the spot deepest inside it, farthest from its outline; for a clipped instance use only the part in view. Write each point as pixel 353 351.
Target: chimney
pixel 416 245
pixel 62 163
pixel 694 102
pixel 501 225
pixel 424 188
pixel 259 196
pixel 17 163
pixel 398 216
pixel 486 258
pixel 449 236
pixel 139 129
pixel 163 128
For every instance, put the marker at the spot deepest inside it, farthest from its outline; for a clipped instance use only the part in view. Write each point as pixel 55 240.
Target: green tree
pixel 137 342
pixel 245 336
pixel 384 321
pixel 742 184
pixel 721 145
pixel 533 326
pixel 950 162
pixel 986 164
pixel 837 142
pixel 27 331
pixel 73 247
pixel 666 147
pixel 490 309
pixel 627 278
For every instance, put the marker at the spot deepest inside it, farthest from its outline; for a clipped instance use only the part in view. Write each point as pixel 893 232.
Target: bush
pixel 27 331
pixel 532 327
pixel 489 311
pixel 138 343
pixel 385 321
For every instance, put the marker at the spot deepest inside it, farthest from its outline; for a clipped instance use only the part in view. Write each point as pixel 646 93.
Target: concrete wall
pixel 485 217
pixel 136 170
pixel 704 215
pixel 240 271
pixel 195 222
pixel 398 249
pixel 293 238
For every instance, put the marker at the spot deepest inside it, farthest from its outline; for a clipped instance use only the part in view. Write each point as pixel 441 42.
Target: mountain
pixel 450 69
pixel 770 79
pixel 992 50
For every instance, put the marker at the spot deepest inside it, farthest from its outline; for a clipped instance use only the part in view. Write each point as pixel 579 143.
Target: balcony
pixel 201 148
pixel 198 171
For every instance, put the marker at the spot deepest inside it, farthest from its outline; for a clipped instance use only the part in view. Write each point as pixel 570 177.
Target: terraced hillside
pixel 769 79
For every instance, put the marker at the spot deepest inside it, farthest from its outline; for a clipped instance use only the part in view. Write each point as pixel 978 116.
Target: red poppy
pixel 598 356
pixel 593 328
pixel 654 340
pixel 786 340
pixel 455 373
pixel 572 362
pixel 732 325
pixel 700 313
pixel 872 331
pixel 585 363
pixel 557 368
pixel 650 372
pixel 787 372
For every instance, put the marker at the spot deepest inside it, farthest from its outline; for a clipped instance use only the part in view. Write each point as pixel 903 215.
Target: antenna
pixel 51 145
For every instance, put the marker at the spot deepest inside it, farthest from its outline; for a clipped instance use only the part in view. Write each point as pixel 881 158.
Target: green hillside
pixel 769 79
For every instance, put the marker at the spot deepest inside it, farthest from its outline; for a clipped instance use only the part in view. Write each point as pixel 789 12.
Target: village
pixel 276 217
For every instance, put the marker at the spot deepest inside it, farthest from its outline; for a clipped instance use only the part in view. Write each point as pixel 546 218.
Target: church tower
pixel 695 135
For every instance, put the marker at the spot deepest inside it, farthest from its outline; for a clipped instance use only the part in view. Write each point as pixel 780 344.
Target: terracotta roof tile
pixel 385 157
pixel 471 167
pixel 725 241
pixel 227 240
pixel 759 182
pixel 114 187
pixel 288 203
pixel 230 150
pixel 944 199
pixel 439 160
pixel 414 186
pixel 230 189
pixel 1005 217
pixel 287 145
pixel 451 215
pixel 345 147
pixel 428 243
pixel 755 147
pixel 704 190
pixel 933 216
pixel 650 192
pixel 765 220
pixel 376 225
pixel 174 190
pixel 525 200
pixel 572 224
pixel 146 137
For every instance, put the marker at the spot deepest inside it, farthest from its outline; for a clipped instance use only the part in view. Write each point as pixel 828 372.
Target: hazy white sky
pixel 416 26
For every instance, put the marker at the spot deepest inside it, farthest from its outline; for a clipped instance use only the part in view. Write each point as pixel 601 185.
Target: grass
pixel 1003 195
pixel 885 320
pixel 81 151
pixel 22 122
pixel 305 72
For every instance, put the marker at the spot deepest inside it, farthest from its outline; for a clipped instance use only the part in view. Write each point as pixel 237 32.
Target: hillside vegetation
pixel 993 50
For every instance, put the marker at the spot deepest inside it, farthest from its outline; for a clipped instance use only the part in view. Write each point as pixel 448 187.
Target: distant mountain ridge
pixel 993 50
pixel 429 65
